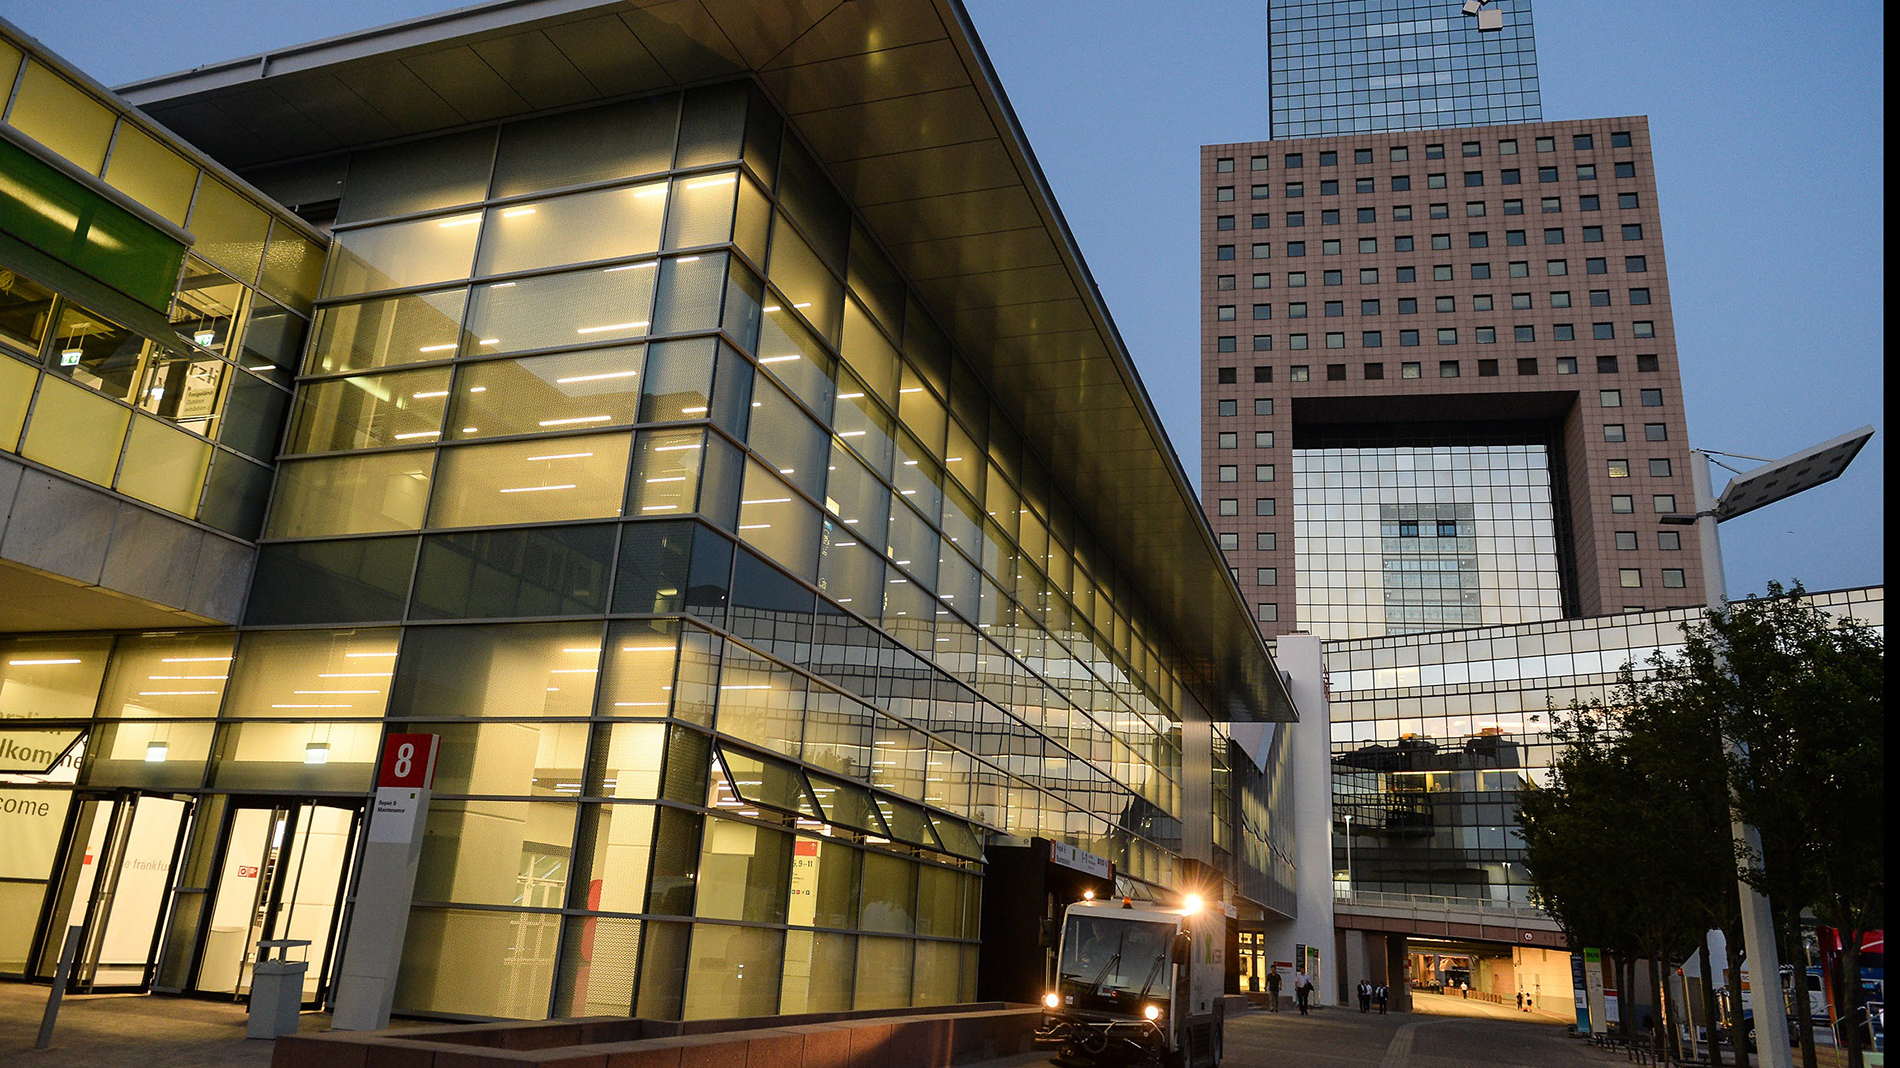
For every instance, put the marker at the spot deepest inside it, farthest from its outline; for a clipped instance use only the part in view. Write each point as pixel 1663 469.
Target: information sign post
pixel 366 983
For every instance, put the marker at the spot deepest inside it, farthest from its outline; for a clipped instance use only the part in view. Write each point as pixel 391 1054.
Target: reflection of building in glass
pixel 677 439
pixel 1434 735
pixel 1396 65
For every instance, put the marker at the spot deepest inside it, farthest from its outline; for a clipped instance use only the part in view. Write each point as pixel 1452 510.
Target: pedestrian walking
pixel 1365 995
pixel 1302 989
pixel 1380 995
pixel 1530 1002
pixel 1464 990
pixel 1273 990
pixel 1520 1001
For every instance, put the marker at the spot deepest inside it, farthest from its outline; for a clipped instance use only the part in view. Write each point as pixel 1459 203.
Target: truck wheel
pixel 1220 1044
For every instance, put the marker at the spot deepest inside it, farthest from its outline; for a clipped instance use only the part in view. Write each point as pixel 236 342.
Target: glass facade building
pixel 694 496
pixel 1434 734
pixel 1335 67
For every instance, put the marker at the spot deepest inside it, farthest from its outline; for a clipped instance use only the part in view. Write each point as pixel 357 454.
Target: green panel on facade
pixel 64 219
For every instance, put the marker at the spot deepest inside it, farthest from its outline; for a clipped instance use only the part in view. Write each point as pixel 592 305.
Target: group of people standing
pixel 1302 989
pixel 1369 993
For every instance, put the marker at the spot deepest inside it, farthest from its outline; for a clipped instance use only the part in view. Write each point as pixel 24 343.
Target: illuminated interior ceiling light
pixel 155 752
pixel 535 489
pixel 43 663
pixel 316 753
pixel 462 220
pixel 675 448
pixel 778 359
pixel 429 393
pixel 687 259
pixel 611 326
pixel 723 179
pixel 419 434
pixel 513 212
pixel 437 348
pixel 576 419
pixel 561 456
pixel 357 656
pixel 595 378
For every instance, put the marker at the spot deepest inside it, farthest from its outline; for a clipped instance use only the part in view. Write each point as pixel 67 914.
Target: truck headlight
pixel 1051 1000
pixel 1152 1012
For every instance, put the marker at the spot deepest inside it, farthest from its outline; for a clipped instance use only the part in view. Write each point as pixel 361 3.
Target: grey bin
pixel 276 988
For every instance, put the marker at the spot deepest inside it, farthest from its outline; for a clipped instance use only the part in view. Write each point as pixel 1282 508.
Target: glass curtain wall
pixel 676 493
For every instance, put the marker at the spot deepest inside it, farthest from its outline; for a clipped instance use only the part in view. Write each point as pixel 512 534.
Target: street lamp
pixel 1774 480
pixel 1348 856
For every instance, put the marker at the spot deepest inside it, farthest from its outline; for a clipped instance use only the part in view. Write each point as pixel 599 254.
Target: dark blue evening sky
pixel 1766 120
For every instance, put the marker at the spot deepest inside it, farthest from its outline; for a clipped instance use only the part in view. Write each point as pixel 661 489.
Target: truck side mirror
pixel 1183 945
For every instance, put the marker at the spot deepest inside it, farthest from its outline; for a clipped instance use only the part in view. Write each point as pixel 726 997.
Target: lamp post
pixel 1348 856
pixel 1773 481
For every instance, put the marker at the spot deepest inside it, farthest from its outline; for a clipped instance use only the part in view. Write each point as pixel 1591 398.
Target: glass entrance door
pixel 118 877
pixel 283 875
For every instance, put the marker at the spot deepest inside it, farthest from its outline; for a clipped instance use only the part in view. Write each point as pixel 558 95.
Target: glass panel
pixel 16 392
pixel 935 981
pixel 690 291
pixel 351 580
pixel 701 210
pixel 273 340
pixel 555 311
pixel 753 221
pixel 401 254
pixel 712 121
pixel 62 116
pixel 298 756
pixel 76 431
pixel 639 680
pixel 631 766
pixel 654 563
pixel 812 290
pixel 207 307
pixel 229 228
pixel 679 381
pixel 183 387
pixel 760 702
pixel 813 204
pixel 788 440
pixel 496 964
pixel 163 466
pixel 253 416
pixel 795 358
pixel 863 425
pixel 619 140
pixel 846 805
pixel 293 267
pixel 818 970
pixel 379 333
pixel 883 973
pixel 415 177
pixel 96 352
pixel 151 173
pixel 497 574
pixel 156 754
pixel 351 494
pixel 602 225
pixel 51 678
pixel 875 282
pixel 620 846
pixel 25 311
pixel 531 481
pixel 513 671
pixel 870 353
pixel 734 972
pixel 776 522
pixel 744 872
pixel 666 473
pixel 302 674
pixel 548 394
pixel 510 760
pixel 367 411
pixel 235 494
pixel 850 573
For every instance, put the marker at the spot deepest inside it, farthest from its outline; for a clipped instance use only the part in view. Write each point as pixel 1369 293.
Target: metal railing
pixel 1441 903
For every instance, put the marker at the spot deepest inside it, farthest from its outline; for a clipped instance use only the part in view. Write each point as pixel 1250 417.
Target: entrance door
pixel 119 876
pixel 283 877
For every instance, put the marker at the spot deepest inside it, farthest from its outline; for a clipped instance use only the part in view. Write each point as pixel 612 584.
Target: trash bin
pixel 276 988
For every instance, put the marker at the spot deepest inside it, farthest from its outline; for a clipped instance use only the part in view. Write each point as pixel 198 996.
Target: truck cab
pixel 1137 984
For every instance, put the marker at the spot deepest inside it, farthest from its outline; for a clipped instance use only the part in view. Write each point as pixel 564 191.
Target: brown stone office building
pixel 1439 378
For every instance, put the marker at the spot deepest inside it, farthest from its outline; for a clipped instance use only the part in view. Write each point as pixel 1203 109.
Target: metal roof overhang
pixel 899 102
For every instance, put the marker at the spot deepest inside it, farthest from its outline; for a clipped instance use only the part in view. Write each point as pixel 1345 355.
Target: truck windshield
pixel 1103 954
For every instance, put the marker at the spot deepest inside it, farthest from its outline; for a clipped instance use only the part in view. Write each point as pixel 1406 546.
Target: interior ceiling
pixel 899 103
pixel 35 602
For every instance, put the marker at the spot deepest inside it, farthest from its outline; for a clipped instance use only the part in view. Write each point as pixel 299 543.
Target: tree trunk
pixel 1657 991
pixel 1734 985
pixel 1850 1028
pixel 1796 955
pixel 1708 1001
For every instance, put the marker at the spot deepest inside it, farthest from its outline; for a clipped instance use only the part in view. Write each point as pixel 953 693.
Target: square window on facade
pixel 1445 304
pixel 1333 278
pixel 1225 281
pixel 1265 311
pixel 1229 473
pixel 1362 185
pixel 1408 338
pixel 1224 165
pixel 1266 576
pixel 1487 335
pixel 1527 365
pixel 1368 244
pixel 1589 202
pixel 1524 333
pixel 1296 310
pixel 1296 248
pixel 1296 189
pixel 1336 372
pixel 1224 222
pixel 1643 328
pixel 1599 298
pixel 1487 368
pixel 1231 506
pixel 1478 239
pixel 1474 209
pixel 1257 163
pixel 1368 276
pixel 1225 192
pixel 1295 159
pixel 1329 247
pixel 1400 153
pixel 1260 191
pixel 1520 300
pixel 1507 147
pixel 1596 265
pixel 1510 176
pixel 1439 211
pixel 1265 541
pixel 1227 343
pixel 1260 220
pixel 1375 372
pixel 1626 169
pixel 1263 405
pixel 1402 243
pixel 1441 272
pixel 1665 503
pixel 1263 439
pixel 1556 268
pixel 1629 577
pixel 1411 370
pixel 1592 234
pixel 1635 264
pixel 1480 271
pixel 1471 148
pixel 1623 504
pixel 1368 215
pixel 1612 398
pixel 1520 269
pixel 1263 472
pixel 1566 365
pixel 1261 250
pixel 1434 151
pixel 1672 577
pixel 1669 541
pixel 1553 235
pixel 1606 365
pixel 1603 331
pixel 1329 159
pixel 1362 155
pixel 1226 313
pixel 1329 187
pixel 1626 540
pixel 1547 144
pixel 1226 376
pixel 1401 182
pixel 1560 298
pixel 1337 340
pixel 1402 213
pixel 1335 308
pixel 1586 172
pixel 1648 361
pixel 1563 332
pixel 1627 200
pixel 1229 542
pixel 1295 279
pixel 1224 252
pixel 1473 179
pixel 1652 398
pixel 1435 181
pixel 1267 612
pixel 1620 139
pixel 1655 432
pixel 1659 467
pixel 1546 174
pixel 1227 407
pixel 1639 296
pixel 1408 305
pixel 1613 432
pixel 1582 142
pixel 1448 368
pixel 1299 372
pixel 1514 237
pixel 1513 207
pixel 1265 506
pixel 1262 373
pixel 1263 342
pixel 1228 439
pixel 1368 307
pixel 1632 231
pixel 1553 205
pixel 1619 468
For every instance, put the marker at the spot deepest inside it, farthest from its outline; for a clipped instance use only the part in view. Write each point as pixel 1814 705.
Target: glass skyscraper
pixel 1341 68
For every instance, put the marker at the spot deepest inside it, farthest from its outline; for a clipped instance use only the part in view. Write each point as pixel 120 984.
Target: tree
pixel 1801 693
